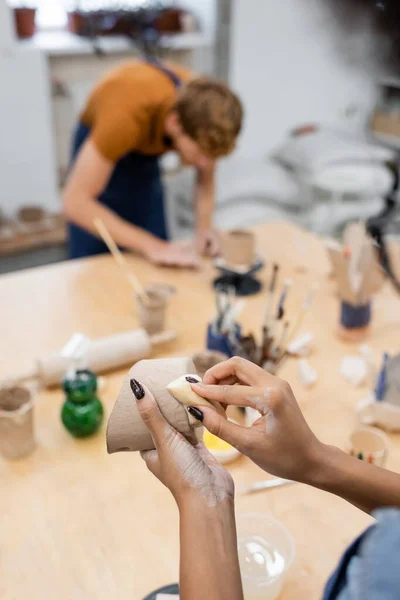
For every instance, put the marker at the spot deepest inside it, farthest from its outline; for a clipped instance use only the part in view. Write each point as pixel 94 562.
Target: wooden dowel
pixel 120 260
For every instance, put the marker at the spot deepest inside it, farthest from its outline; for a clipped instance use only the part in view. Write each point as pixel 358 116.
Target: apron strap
pixel 176 80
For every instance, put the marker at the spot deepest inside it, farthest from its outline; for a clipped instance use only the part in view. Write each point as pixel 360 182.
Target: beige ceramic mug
pixel 238 247
pixel 369 444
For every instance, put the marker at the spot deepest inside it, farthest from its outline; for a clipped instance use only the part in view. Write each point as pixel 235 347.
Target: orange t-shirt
pixel 126 111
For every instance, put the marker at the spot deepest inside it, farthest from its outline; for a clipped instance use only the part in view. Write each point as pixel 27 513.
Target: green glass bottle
pixel 82 412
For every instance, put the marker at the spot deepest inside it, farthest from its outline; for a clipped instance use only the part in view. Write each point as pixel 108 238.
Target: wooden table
pixel 79 524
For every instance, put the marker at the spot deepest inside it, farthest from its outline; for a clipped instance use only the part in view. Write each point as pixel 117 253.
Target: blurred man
pixel 135 114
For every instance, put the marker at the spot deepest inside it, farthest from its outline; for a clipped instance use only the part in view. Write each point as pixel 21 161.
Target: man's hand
pixel 166 254
pixel 208 242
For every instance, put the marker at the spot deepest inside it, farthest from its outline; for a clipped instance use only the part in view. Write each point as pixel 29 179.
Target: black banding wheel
pixel 243 284
pixel 168 589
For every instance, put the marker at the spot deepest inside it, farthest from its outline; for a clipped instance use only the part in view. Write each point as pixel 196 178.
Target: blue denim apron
pixel 369 569
pixel 134 192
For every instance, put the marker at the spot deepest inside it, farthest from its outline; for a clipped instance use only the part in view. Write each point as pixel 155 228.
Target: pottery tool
pixel 102 355
pixel 302 314
pixel 280 310
pixel 231 316
pixel 270 296
pixel 278 349
pixel 121 260
pixel 382 377
pixel 269 484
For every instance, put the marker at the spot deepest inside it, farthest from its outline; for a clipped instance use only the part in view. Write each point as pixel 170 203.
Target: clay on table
pixel 152 313
pixel 126 430
pixel 16 422
pixel 238 247
pixel 206 359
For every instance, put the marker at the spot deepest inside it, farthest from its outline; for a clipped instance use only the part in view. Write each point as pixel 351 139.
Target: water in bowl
pixel 262 567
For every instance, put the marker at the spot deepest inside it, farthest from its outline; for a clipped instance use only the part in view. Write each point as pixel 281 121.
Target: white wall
pixel 6 27
pixel 286 67
pixel 27 158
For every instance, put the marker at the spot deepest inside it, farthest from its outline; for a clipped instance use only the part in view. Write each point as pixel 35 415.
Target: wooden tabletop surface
pixel 78 524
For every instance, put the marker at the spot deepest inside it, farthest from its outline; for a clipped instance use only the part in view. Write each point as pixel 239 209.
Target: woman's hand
pixel 280 441
pixel 186 470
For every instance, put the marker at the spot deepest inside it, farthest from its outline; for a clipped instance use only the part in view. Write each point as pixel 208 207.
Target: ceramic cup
pixel 369 444
pixel 16 422
pixel 152 315
pixel 238 247
pixel 355 322
pixel 382 414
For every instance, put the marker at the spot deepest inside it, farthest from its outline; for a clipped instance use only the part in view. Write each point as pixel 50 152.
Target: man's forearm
pixel 85 210
pixel 204 201
pixel 364 485
pixel 209 560
pixel 204 212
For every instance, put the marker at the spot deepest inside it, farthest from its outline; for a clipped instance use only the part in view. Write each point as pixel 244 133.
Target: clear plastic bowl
pixel 266 553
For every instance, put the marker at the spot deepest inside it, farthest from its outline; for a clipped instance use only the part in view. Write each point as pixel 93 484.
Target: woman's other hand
pixel 280 441
pixel 186 470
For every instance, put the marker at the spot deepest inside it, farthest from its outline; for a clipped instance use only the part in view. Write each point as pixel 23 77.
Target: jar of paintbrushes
pixel 270 347
pixel 359 276
pixel 223 333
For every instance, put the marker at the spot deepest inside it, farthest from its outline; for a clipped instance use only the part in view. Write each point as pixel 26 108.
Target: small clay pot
pixel 205 360
pixel 16 422
pixel 24 19
pixel 152 314
pixel 238 247
pixel 31 214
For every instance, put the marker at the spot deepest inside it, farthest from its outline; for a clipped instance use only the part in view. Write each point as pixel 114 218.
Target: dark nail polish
pixel 137 389
pixel 192 380
pixel 196 413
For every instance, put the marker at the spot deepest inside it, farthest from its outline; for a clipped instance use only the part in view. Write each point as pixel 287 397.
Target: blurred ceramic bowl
pixel 221 450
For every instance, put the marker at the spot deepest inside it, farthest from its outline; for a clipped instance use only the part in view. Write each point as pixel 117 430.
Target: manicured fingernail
pixel 196 413
pixel 192 380
pixel 137 389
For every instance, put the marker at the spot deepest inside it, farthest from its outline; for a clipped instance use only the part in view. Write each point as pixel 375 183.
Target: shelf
pixel 64 43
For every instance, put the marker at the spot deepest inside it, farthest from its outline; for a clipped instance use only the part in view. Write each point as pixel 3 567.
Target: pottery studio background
pixel 306 284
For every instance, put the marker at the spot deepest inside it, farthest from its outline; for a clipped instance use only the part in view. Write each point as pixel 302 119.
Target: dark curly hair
pixel 380 16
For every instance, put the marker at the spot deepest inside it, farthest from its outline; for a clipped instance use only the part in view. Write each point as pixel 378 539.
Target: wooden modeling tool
pixel 270 296
pixel 301 316
pixel 121 261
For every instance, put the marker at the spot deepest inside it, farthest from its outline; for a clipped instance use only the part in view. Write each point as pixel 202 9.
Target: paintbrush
pixel 303 311
pixel 231 316
pixel 278 350
pixel 270 296
pixel 259 486
pixel 280 311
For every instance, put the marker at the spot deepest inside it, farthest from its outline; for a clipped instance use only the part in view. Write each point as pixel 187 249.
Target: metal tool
pixel 259 486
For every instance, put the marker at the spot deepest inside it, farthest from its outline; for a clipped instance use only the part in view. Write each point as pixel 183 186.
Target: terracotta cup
pixel 238 247
pixel 152 315
pixel 16 422
pixel 369 444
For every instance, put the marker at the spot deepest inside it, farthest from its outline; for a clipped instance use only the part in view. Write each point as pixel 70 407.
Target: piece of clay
pixel 126 430
pixel 206 359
